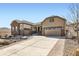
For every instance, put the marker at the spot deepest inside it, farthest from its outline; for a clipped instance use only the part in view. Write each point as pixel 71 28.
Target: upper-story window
pixel 51 20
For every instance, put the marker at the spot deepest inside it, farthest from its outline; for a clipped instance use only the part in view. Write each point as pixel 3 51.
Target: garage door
pixel 54 32
pixel 26 32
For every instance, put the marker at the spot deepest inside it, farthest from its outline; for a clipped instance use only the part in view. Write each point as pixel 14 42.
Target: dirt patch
pixel 7 42
pixel 65 47
pixel 4 42
pixel 70 47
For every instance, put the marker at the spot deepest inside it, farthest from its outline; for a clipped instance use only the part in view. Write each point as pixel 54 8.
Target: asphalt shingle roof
pixel 23 21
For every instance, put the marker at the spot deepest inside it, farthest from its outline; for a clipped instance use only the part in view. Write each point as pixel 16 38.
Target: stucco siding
pixel 20 28
pixel 25 26
pixel 53 28
pixel 57 22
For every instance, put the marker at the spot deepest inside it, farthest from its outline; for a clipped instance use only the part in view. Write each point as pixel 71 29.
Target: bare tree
pixel 74 9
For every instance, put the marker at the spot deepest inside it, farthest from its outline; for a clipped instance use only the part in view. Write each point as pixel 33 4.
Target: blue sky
pixel 31 12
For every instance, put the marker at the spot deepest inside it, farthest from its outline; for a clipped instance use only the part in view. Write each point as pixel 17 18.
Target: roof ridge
pixel 23 21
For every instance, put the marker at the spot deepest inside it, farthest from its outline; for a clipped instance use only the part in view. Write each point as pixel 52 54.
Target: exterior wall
pixel 34 29
pixel 20 29
pixel 53 28
pixel 38 28
pixel 25 29
pixel 22 26
pixel 57 22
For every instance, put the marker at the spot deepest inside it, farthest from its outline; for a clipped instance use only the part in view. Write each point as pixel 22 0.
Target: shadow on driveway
pixel 57 37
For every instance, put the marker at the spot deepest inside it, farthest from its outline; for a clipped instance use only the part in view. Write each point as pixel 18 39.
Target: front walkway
pixel 34 46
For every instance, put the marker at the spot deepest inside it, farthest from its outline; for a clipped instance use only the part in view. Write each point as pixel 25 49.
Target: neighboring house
pixel 53 25
pixel 5 32
pixel 19 27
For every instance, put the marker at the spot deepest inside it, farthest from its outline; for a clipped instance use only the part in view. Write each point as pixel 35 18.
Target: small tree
pixel 74 9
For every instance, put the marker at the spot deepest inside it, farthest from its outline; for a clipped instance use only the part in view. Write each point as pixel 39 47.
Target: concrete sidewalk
pixel 34 46
pixel 58 49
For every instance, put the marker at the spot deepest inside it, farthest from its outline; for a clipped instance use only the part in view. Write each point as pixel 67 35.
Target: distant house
pixel 53 25
pixel 19 27
pixel 5 32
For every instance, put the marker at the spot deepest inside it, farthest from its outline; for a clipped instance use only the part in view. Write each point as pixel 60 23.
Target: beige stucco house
pixel 53 25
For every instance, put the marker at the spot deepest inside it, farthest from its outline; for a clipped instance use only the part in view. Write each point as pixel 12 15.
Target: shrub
pixel 4 43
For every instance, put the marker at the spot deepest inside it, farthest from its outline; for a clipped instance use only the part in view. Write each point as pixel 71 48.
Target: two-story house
pixel 53 25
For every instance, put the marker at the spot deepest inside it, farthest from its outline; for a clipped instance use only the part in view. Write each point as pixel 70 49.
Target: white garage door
pixel 54 32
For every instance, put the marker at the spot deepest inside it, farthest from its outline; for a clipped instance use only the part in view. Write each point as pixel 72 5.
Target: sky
pixel 33 12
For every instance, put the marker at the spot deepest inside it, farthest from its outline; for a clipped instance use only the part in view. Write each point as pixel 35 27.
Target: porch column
pixel 11 30
pixel 14 30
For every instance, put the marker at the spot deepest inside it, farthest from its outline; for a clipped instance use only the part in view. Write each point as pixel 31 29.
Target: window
pixel 51 20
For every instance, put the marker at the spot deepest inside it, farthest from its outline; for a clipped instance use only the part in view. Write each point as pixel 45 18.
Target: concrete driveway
pixel 33 46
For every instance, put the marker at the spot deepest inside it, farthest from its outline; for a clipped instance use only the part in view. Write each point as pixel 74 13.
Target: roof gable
pixel 54 17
